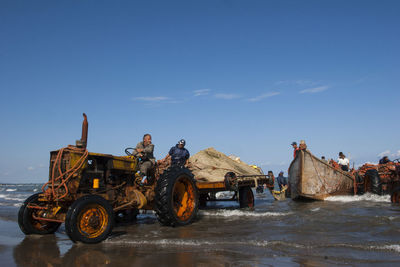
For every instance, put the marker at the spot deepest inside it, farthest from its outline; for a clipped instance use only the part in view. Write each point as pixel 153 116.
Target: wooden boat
pixel 312 178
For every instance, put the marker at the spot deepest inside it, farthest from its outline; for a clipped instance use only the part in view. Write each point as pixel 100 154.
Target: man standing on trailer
pixel 178 154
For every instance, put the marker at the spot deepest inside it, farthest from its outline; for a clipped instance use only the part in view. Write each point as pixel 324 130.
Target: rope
pixel 63 177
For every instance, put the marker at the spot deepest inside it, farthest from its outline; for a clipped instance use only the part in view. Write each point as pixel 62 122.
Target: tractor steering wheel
pixel 127 151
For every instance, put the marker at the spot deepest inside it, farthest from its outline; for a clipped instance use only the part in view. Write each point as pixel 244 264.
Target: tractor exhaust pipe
pixel 85 125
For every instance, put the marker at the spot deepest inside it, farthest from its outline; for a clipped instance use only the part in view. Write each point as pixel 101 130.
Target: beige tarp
pixel 212 165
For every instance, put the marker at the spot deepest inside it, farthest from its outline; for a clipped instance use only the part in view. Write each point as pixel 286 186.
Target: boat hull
pixel 312 178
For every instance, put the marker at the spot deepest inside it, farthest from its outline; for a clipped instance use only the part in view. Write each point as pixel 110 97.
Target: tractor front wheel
pixel 28 224
pixel 89 219
pixel 177 199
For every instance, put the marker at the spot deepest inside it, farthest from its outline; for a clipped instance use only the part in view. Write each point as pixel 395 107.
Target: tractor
pixel 89 192
pixel 379 179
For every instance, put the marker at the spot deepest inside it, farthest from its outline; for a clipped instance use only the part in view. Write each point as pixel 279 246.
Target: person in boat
pixel 144 151
pixel 384 160
pixel 344 162
pixel 282 181
pixel 303 145
pixel 323 159
pixel 178 154
pixel 295 149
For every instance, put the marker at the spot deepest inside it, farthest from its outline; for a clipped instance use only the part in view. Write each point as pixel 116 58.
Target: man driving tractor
pixel 144 151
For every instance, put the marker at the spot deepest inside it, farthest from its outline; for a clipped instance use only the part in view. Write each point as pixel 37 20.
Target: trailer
pixel 241 186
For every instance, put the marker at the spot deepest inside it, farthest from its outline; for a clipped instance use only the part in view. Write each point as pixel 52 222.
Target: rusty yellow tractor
pixel 90 191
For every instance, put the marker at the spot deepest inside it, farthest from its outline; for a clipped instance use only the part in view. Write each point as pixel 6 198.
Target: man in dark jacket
pixel 178 154
pixel 282 181
pixel 144 152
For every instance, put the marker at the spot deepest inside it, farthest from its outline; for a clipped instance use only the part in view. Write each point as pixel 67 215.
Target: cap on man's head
pixel 182 142
pixel 294 143
pixel 281 172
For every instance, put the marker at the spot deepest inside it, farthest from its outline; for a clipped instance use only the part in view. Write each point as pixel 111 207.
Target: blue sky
pixel 245 77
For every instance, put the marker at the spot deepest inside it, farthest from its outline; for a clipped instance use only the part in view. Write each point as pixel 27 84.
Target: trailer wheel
pixel 177 198
pixel 89 219
pixel 395 196
pixel 246 197
pixel 29 225
pixel 373 182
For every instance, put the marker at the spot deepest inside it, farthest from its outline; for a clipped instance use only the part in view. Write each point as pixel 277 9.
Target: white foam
pixel 240 213
pixel 8 197
pixel 391 247
pixel 315 209
pixel 165 242
pixel 11 190
pixel 202 243
pixel 365 197
pixel 187 243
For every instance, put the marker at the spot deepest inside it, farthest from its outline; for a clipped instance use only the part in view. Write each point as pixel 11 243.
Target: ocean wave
pixel 11 190
pixel 240 213
pixel 365 197
pixel 387 247
pixel 164 242
pixel 167 243
pixel 12 198
pixel 395 248
pixel 202 243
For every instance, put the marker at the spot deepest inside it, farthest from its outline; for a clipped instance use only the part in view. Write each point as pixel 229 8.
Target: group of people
pixel 178 155
pixel 343 162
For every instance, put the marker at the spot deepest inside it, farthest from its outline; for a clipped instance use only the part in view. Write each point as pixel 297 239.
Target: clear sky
pixel 245 77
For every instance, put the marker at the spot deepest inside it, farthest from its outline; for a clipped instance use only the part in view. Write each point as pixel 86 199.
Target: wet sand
pixel 343 231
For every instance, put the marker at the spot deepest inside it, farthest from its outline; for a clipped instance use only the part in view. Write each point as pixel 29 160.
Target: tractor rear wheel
pixel 89 219
pixel 246 197
pixel 29 225
pixel 177 198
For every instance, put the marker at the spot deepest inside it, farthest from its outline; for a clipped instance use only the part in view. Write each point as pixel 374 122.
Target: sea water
pixel 343 230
